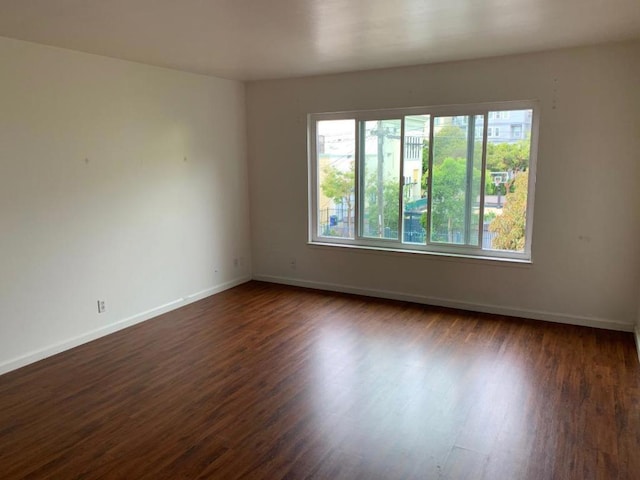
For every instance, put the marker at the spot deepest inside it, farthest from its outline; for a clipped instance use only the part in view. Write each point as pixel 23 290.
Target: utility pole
pixel 381 133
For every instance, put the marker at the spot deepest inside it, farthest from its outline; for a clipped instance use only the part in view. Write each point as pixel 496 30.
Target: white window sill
pixel 516 262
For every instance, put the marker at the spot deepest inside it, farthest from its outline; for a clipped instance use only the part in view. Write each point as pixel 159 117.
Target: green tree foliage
pixel 502 157
pixel 449 180
pixel 449 197
pixel 338 185
pixel 425 166
pixel 450 142
pixel 391 190
pixel 507 157
pixel 510 226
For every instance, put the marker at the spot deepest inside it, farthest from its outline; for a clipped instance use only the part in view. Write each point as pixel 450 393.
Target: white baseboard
pixel 37 355
pixel 443 302
pixel 636 332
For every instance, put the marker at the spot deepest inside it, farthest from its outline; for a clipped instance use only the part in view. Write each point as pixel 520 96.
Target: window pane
pixel 476 181
pixel 416 164
pixel 336 145
pixel 457 163
pixel 507 181
pixel 381 178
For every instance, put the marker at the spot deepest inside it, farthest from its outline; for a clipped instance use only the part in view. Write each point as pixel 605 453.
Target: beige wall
pixel 98 202
pixel 637 328
pixel 586 247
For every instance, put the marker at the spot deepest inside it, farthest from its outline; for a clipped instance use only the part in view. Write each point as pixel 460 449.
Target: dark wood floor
pixel 271 382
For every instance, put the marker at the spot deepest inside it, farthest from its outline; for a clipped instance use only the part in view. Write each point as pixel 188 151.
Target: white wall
pixel 98 202
pixel 586 248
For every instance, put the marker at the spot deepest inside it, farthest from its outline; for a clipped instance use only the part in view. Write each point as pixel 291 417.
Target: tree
pixel 448 203
pixel 502 157
pixel 510 226
pixel 338 185
pixel 424 181
pixel 390 192
pixel 507 157
pixel 450 142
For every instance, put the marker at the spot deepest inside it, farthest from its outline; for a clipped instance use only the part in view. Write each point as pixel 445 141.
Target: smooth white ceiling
pixel 259 39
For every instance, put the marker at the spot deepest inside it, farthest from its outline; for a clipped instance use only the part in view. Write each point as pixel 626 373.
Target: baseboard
pixel 636 332
pixel 443 302
pixel 41 354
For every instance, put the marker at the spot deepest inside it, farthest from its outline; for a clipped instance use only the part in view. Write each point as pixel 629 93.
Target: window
pixel 433 180
pixel 516 131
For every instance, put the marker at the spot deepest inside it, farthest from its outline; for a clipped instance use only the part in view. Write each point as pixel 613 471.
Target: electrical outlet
pixel 102 306
pixel 235 262
pixel 292 263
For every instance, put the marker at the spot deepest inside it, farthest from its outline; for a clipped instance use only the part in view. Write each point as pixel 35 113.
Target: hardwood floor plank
pixel 272 382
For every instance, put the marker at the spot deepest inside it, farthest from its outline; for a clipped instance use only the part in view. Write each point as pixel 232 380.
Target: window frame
pixel 397 245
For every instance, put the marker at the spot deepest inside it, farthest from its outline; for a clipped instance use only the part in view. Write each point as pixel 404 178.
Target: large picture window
pixel 440 179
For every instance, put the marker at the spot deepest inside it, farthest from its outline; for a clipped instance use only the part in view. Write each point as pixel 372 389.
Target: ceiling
pixel 260 39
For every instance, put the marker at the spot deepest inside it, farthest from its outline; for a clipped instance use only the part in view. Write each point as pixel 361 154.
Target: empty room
pixel 319 239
